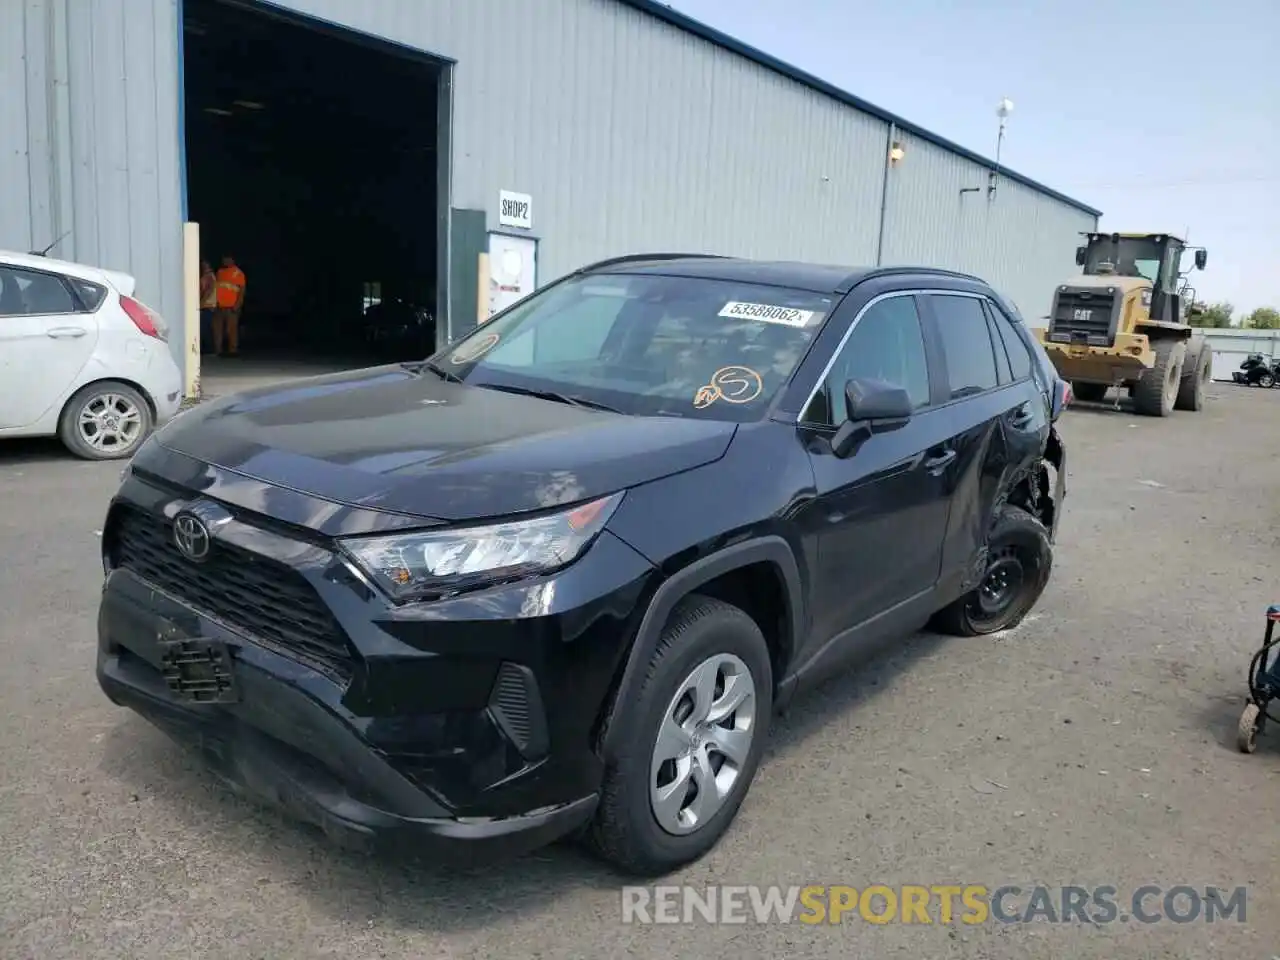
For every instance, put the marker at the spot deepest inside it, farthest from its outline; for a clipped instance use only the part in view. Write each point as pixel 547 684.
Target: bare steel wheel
pixel 702 743
pixel 105 421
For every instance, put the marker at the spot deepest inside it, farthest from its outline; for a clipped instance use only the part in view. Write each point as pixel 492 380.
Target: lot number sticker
pixel 767 313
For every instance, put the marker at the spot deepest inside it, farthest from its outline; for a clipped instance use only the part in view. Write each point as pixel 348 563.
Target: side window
pixel 888 345
pixel 91 294
pixel 1002 356
pixel 1019 358
pixel 27 293
pixel 971 361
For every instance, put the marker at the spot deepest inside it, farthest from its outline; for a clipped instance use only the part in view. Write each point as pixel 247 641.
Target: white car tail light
pixel 144 318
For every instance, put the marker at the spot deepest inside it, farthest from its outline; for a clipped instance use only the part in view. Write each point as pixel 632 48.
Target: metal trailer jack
pixel 1264 686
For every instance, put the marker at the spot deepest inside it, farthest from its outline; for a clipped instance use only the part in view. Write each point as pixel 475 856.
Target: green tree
pixel 1211 314
pixel 1263 318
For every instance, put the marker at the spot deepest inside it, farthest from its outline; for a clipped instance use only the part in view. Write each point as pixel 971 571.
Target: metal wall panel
pixel 1022 242
pixel 89 144
pixel 631 134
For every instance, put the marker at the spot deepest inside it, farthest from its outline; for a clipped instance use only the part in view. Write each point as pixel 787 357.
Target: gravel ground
pixel 1093 745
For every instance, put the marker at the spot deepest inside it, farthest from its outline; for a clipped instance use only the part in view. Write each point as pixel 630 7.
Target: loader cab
pixel 1155 257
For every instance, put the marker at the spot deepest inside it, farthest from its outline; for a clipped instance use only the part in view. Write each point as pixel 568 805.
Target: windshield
pixel 1130 257
pixel 647 345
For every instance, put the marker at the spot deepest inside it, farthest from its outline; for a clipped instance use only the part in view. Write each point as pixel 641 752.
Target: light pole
pixel 1003 109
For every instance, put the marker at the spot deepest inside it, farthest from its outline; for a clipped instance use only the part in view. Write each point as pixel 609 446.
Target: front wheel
pixel 700 723
pixel 1247 729
pixel 1019 560
pixel 1157 391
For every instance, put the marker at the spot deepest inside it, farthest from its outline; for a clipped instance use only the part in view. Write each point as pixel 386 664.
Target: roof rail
pixel 641 257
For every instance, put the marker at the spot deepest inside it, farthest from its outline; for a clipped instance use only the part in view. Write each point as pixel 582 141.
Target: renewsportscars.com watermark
pixel 970 904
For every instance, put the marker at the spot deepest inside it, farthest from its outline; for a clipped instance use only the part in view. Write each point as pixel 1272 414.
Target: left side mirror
pixel 872 407
pixel 1080 256
pixel 1202 257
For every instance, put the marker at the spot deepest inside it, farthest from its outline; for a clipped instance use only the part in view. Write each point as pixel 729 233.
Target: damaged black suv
pixel 558 578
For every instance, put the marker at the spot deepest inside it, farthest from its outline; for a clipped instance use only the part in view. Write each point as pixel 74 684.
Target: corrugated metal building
pixel 630 126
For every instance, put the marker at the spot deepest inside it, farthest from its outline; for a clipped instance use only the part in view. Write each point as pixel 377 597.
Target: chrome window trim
pixel 853 324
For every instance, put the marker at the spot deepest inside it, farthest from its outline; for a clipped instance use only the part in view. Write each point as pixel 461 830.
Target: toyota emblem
pixel 191 536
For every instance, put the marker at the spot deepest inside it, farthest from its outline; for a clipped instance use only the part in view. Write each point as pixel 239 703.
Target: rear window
pixel 649 345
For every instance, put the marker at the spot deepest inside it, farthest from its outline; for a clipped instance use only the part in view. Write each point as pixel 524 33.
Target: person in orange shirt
pixel 229 296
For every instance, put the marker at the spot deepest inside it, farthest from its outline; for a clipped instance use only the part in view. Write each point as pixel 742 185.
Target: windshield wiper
pixel 552 395
pixel 441 372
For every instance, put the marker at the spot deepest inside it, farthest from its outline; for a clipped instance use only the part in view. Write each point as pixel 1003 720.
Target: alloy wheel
pixel 110 422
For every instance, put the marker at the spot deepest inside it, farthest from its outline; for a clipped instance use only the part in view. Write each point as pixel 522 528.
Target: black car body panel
pixel 485 716
pixel 404 441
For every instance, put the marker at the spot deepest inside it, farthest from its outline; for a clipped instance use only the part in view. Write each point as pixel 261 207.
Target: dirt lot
pixel 1092 746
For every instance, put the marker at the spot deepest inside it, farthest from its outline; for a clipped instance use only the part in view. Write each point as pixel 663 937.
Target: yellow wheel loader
pixel 1123 323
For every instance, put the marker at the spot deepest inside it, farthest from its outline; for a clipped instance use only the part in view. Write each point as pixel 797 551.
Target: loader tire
pixel 1196 370
pixel 1156 392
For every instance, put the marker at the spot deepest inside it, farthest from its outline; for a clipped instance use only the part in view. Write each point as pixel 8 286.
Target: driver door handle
pixel 938 462
pixel 65 333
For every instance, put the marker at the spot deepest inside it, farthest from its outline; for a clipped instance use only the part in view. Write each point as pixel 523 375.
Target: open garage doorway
pixel 315 157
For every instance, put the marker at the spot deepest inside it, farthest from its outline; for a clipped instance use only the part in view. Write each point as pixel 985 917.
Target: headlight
pixel 433 562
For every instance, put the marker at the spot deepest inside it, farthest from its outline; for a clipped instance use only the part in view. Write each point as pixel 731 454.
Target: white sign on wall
pixel 513 270
pixel 515 210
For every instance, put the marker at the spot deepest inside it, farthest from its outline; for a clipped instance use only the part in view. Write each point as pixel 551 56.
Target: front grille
pixel 267 601
pixel 1083 316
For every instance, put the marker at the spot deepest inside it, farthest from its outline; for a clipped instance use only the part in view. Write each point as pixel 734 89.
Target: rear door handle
pixel 65 333
pixel 1022 417
pixel 939 462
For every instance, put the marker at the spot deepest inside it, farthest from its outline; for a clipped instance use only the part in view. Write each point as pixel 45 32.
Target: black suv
pixel 558 578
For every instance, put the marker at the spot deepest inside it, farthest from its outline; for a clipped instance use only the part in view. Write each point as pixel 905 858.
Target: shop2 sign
pixel 515 210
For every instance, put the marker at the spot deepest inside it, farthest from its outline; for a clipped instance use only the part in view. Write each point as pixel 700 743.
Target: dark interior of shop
pixel 312 160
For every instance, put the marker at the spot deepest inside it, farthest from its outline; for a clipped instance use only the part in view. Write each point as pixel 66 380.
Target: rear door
pixel 47 335
pixel 993 420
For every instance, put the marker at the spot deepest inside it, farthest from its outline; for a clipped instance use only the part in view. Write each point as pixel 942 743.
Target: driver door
pixel 881 514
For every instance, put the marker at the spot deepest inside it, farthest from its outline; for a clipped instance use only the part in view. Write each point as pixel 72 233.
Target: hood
pixel 390 439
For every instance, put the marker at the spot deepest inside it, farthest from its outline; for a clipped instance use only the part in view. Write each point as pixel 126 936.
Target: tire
pixel 702 634
pixel 1156 392
pixel 1267 380
pixel 1018 547
pixel 1089 392
pixel 1247 729
pixel 1196 370
pixel 83 419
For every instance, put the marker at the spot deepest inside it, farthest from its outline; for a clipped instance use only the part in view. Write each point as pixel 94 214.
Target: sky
pixel 1163 115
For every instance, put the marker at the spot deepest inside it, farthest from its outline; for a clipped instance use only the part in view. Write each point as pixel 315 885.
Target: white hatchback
pixel 80 358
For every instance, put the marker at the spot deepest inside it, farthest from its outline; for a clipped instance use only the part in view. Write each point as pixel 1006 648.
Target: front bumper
pixel 270 745
pixel 255 764
pixel 461 726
